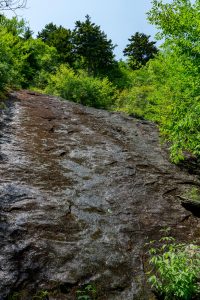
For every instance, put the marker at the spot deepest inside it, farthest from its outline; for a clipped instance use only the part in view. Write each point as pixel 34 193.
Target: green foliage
pixel 46 33
pixel 41 295
pixel 91 45
pixel 178 23
pixel 2 105
pixel 61 39
pixel 13 25
pixel 37 57
pixel 9 63
pixel 176 74
pixel 167 89
pixel 140 50
pixel 121 75
pixel 22 295
pixel 28 33
pixel 192 194
pixel 175 270
pixel 22 58
pixel 134 100
pixel 81 88
pixel 11 56
pixel 87 292
pixel 14 296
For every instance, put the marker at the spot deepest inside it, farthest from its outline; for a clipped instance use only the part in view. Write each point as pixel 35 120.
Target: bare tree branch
pixel 12 4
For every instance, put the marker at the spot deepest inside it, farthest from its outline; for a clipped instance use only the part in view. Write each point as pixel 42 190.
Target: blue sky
pixel 119 19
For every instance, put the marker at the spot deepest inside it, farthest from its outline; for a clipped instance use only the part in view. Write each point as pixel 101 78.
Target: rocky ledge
pixel 82 190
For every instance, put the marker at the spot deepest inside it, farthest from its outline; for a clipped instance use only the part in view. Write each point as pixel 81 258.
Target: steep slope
pixel 82 191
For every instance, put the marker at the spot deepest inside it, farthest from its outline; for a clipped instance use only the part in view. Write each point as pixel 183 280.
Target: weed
pixel 87 292
pixel 175 269
pixel 193 194
pixel 42 295
pixel 2 106
pixel 14 296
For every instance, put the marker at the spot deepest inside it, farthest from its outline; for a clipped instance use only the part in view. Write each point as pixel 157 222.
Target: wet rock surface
pixel 81 192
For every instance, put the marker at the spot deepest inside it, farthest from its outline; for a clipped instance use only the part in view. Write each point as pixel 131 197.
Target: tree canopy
pixel 60 38
pixel 92 46
pixel 179 66
pixel 167 89
pixel 140 50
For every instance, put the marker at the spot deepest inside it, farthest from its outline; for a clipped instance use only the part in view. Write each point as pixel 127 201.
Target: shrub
pixel 176 93
pixel 175 272
pixel 121 75
pixel 21 60
pixel 86 292
pixel 135 99
pixel 9 63
pixel 81 88
pixel 37 59
pixel 166 91
pixel 176 73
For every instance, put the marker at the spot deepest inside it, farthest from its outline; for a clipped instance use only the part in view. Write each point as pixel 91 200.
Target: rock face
pixel 81 192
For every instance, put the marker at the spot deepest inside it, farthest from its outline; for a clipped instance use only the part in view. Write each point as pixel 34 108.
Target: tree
pixel 13 25
pixel 140 50
pixel 8 60
pixel 91 45
pixel 178 24
pixel 11 56
pixel 45 34
pixel 12 4
pixel 176 74
pixel 81 88
pixel 61 39
pixel 36 57
pixel 28 33
pixel 22 58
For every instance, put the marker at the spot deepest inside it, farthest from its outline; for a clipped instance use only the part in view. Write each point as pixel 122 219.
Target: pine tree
pixel 91 45
pixel 140 50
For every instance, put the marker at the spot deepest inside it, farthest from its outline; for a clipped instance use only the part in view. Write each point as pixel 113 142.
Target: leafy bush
pixel 175 272
pixel 176 94
pixel 87 292
pixel 41 295
pixel 11 58
pixel 135 99
pixel 167 91
pixel 22 60
pixel 14 26
pixel 193 194
pixel 9 63
pixel 81 88
pixel 176 73
pixel 121 75
pixel 37 57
